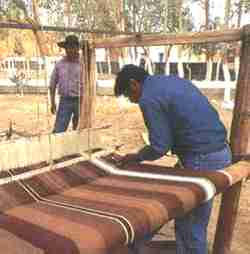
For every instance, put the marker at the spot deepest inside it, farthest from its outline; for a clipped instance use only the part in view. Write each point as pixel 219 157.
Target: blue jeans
pixel 68 108
pixel 191 229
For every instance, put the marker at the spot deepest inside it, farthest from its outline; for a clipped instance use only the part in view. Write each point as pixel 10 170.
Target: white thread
pixel 204 183
pixel 229 177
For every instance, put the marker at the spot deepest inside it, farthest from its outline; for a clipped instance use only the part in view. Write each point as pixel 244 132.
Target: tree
pixel 241 7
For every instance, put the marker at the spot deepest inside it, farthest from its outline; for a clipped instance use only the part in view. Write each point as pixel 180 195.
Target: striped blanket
pixel 91 207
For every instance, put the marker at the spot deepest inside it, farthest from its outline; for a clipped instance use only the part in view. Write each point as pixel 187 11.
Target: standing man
pixel 179 118
pixel 66 79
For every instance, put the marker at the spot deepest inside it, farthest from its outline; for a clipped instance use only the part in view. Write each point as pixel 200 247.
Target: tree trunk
pixel 67 11
pixel 38 34
pixel 207 13
pixel 217 75
pixel 167 56
pixel 239 13
pixel 209 69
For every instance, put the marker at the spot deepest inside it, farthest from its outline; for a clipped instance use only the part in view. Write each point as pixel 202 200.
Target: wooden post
pixel 88 93
pixel 240 144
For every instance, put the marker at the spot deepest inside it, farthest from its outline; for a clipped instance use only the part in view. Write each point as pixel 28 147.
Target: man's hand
pixel 126 159
pixel 53 108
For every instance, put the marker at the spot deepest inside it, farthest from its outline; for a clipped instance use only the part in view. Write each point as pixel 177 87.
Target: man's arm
pixel 159 135
pixel 146 153
pixel 52 91
pixel 159 130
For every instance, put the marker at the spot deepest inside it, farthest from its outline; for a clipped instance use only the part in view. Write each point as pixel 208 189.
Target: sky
pixel 217 11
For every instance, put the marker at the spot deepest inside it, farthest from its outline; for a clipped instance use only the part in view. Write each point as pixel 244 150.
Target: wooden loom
pixel 230 188
pixel 239 138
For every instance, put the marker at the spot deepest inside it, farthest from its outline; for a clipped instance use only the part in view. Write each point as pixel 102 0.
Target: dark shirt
pixel 179 118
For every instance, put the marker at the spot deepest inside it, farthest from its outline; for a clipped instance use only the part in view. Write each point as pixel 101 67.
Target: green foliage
pixel 9 11
pixel 139 16
pixel 157 16
pixel 143 15
pixel 146 16
pixel 54 8
pixel 246 5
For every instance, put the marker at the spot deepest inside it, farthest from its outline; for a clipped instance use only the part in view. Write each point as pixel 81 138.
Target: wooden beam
pixel 45 148
pixel 26 26
pixel 42 170
pixel 240 144
pixel 169 39
pixel 38 35
pixel 88 93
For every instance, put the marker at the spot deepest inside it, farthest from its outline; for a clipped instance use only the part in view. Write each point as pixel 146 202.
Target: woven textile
pixel 81 209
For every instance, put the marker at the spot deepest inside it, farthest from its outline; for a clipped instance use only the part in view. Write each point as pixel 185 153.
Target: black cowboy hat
pixel 71 41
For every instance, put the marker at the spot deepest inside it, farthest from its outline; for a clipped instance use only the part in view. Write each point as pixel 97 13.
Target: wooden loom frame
pixel 240 133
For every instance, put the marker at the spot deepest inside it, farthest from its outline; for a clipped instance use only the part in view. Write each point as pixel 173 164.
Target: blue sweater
pixel 179 118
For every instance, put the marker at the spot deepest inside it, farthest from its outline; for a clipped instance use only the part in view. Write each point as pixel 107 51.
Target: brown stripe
pixel 42 225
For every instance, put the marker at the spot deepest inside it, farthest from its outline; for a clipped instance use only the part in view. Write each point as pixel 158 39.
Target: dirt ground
pixel 29 115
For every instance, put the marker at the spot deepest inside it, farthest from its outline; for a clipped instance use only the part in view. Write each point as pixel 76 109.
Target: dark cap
pixel 71 41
